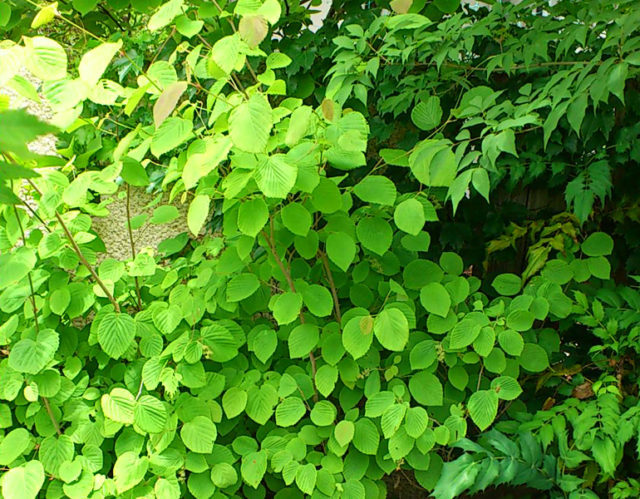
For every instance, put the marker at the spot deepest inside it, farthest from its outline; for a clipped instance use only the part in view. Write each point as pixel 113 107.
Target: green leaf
pixel 119 405
pixel 597 244
pixel 165 14
pixel 507 284
pixel 203 157
pixel 423 354
pixel 234 401
pixel 379 402
pixel 286 307
pixel 306 477
pixel 326 379
pixel 409 216
pixel 392 419
pixel 576 111
pixel 275 176
pixel 534 358
pixel 227 54
pixel 604 452
pixel 54 451
pixel 520 320
pixel 263 344
pixel 198 213
pixel 426 389
pixel 344 432
pixel 133 173
pixel 296 218
pixel 318 300
pixel 323 413
pixel 250 124
pixel 261 402
pixel 188 27
pixel 357 336
pixel 483 408
pixel 115 333
pixel 13 445
pixel 45 58
pixel 435 299
pixel 242 286
pixel 376 189
pixel 427 114
pixel 511 342
pixel 506 387
pixel 199 434
pixel 150 414
pixel 416 422
pixel 481 182
pixel 302 340
pixel 617 80
pixel 95 62
pixel 290 411
pixel 298 125
pixel 223 475
pixel 375 234
pixel 252 216
pixel 167 318
pixel 277 60
pixel 171 134
pixel 253 468
pixel 326 196
pixel 164 214
pixel 32 355
pixel 391 329
pixel 433 163
pixel 129 470
pixel 44 16
pixel 366 437
pixel 341 250
pixel 464 333
pixel 23 482
pixel 599 267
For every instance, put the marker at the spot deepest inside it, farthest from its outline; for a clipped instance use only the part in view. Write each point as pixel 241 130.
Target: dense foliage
pixel 407 260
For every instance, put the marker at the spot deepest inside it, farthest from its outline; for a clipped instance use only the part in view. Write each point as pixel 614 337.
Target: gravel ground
pixel 112 229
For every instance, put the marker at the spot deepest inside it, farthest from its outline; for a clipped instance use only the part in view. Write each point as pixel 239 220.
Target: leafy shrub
pixel 344 303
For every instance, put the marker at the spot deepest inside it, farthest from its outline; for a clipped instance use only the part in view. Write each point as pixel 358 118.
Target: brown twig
pixel 32 295
pixel 332 285
pixel 235 30
pixel 269 238
pixel 81 257
pixel 56 425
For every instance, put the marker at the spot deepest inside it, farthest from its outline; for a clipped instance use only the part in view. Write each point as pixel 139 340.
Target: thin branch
pixel 32 294
pixel 269 238
pixel 112 17
pixel 31 210
pixel 47 406
pixel 332 285
pixel 45 401
pixel 480 376
pixel 133 247
pixel 80 255
pixel 235 30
